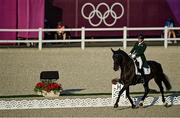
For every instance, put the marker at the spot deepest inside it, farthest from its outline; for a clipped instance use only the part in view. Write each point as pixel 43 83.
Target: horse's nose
pixel 115 69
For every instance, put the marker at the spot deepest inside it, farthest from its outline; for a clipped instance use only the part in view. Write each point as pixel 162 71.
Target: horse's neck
pixel 127 66
pixel 127 69
pixel 127 61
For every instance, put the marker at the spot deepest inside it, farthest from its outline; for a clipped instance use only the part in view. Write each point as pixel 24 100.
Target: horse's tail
pixel 165 79
pixel 166 82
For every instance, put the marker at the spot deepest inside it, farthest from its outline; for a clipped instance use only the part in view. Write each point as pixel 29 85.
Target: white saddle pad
pixel 147 71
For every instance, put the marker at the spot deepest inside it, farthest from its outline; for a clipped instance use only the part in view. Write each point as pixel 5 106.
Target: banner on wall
pixel 30 16
pixel 21 14
pixel 8 18
pixel 117 13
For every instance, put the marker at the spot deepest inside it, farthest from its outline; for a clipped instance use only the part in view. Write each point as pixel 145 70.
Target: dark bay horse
pixel 128 76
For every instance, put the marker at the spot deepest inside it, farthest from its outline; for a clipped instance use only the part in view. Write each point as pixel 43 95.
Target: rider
pixel 137 53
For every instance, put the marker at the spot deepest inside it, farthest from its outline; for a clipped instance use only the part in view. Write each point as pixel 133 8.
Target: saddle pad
pixel 147 71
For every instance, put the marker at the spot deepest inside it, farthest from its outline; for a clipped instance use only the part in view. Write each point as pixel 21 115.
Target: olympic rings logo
pixel 102 16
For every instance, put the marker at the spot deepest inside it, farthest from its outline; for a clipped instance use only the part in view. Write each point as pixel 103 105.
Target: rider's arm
pixel 132 50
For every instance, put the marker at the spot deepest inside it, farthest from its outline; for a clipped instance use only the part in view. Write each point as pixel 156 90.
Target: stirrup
pixel 140 79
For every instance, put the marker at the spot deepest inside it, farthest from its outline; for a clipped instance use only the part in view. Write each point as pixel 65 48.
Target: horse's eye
pixel 116 55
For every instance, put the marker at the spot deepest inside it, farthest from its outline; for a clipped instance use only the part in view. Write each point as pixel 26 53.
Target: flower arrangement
pixel 46 87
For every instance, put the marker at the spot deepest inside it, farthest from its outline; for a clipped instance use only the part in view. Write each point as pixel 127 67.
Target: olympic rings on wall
pixel 102 16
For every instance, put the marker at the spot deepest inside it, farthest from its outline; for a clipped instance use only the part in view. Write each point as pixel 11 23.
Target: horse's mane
pixel 125 55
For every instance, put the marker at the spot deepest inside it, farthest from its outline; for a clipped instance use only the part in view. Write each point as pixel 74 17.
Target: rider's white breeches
pixel 139 60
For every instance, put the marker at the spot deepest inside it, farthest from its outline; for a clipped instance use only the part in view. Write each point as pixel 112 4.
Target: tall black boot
pixel 142 75
pixel 139 77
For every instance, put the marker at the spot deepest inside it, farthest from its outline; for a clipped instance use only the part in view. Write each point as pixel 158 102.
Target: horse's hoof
pixel 140 104
pixel 134 107
pixel 116 106
pixel 167 105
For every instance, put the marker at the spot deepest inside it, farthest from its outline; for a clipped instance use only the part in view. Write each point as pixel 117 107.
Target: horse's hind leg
pixel 159 83
pixel 146 88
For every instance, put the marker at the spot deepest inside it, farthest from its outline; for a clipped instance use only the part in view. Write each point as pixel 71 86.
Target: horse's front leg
pixel 120 92
pixel 128 96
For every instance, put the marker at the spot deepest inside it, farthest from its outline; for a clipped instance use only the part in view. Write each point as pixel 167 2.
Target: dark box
pixel 49 75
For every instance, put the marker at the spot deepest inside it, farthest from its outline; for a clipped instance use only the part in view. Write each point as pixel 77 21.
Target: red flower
pixel 40 84
pixel 48 86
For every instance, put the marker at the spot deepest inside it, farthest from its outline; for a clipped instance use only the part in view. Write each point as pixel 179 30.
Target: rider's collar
pixel 140 43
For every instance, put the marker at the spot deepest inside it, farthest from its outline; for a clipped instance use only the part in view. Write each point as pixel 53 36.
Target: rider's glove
pixel 133 56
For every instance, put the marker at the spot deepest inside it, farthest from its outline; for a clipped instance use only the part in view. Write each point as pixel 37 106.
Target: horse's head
pixel 117 59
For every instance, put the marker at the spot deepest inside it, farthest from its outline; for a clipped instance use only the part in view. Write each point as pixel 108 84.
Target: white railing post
pixel 40 39
pixel 124 37
pixel 166 37
pixel 82 38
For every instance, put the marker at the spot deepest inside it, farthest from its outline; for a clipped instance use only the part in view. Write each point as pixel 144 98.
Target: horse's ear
pixel 119 49
pixel 112 50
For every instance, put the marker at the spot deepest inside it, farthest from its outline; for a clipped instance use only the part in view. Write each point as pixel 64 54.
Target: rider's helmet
pixel 140 36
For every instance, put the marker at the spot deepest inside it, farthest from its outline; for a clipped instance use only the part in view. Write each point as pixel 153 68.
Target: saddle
pixel 139 78
pixel 146 69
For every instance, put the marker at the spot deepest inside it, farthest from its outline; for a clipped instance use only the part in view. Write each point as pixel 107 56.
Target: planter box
pixel 49 94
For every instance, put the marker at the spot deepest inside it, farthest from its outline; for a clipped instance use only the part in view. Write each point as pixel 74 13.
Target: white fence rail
pixel 83 39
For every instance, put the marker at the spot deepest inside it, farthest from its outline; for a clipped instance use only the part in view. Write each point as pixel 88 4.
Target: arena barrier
pixel 83 39
pixel 86 102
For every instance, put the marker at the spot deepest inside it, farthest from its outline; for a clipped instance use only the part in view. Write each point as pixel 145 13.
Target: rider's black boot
pixel 142 76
